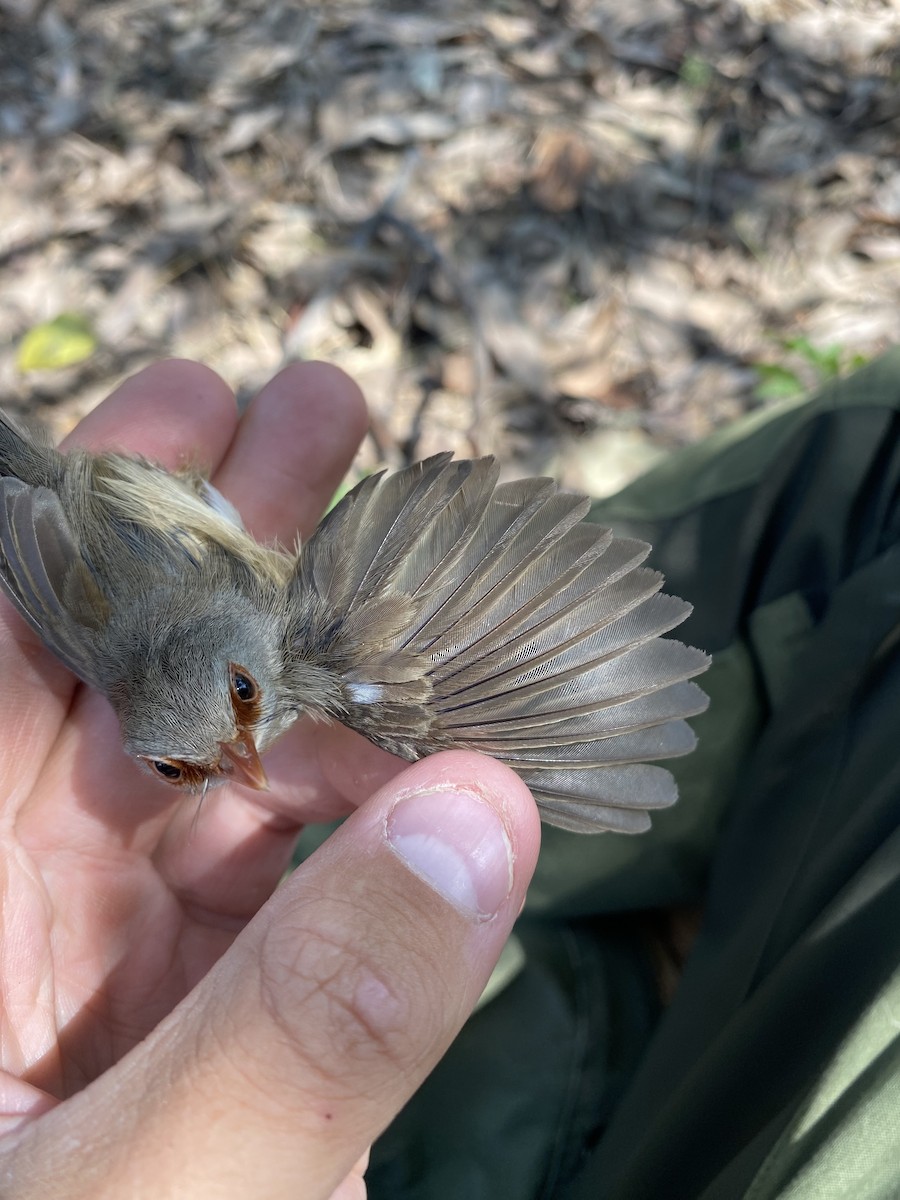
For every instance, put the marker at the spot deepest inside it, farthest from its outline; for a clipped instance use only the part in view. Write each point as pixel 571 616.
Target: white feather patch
pixel 365 693
pixel 219 504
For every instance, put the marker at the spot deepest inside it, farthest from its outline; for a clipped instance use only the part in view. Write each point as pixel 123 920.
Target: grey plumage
pixel 144 592
pixel 431 609
pixel 459 613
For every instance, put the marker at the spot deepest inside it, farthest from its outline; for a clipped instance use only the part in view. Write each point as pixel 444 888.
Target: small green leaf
pixel 695 72
pixel 62 342
pixel 776 382
pixel 826 360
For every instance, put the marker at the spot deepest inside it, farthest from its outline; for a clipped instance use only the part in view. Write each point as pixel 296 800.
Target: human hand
pixel 152 1045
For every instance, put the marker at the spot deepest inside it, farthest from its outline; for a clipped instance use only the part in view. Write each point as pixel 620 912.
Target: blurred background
pixel 573 234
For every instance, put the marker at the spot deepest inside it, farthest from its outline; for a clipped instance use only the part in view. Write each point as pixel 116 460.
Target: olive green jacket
pixel 775 1070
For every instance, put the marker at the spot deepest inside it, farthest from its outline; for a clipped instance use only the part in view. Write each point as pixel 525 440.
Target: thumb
pixel 331 1007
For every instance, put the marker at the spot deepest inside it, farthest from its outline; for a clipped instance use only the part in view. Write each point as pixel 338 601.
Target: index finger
pixel 174 412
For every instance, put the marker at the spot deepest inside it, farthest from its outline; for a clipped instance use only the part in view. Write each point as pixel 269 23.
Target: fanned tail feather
pixel 519 629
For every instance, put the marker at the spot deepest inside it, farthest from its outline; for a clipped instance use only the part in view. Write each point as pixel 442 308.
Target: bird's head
pixel 197 688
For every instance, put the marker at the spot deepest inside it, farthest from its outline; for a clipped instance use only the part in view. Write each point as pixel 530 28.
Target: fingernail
pixel 456 844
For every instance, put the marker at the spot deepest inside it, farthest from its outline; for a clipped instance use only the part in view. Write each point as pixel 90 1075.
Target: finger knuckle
pixel 344 1000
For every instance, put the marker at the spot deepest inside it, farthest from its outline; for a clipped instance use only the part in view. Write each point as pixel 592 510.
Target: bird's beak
pixel 243 759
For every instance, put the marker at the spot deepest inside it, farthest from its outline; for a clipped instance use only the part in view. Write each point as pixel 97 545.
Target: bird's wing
pixel 460 613
pixel 45 577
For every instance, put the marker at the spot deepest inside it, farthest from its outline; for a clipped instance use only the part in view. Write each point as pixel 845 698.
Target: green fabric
pixel 517 1096
pixel 774 1071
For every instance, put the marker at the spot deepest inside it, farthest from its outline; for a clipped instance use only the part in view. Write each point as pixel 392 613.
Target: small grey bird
pixel 431 609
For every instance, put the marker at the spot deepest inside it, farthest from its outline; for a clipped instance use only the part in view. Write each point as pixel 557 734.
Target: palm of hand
pixel 104 945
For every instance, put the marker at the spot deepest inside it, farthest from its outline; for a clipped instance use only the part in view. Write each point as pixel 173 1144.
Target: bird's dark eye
pixel 166 769
pixel 244 686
